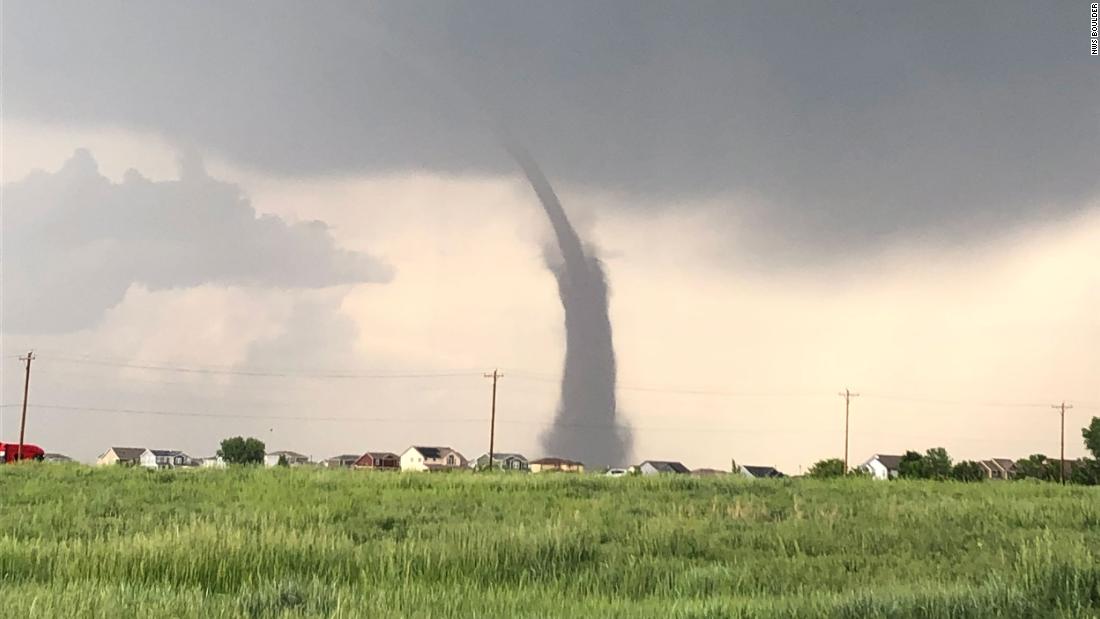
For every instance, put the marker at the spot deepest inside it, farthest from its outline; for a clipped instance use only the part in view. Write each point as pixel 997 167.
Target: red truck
pixel 9 452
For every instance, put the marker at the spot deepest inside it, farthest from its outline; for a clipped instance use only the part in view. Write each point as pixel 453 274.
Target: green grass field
pixel 84 542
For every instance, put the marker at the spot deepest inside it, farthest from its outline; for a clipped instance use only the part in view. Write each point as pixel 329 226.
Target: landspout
pixel 586 426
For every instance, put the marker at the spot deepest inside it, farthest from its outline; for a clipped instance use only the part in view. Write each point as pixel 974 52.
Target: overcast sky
pixel 258 215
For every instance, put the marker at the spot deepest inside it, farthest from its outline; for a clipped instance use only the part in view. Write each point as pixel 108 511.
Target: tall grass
pixel 77 541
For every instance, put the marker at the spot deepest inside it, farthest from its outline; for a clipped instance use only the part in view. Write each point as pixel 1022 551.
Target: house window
pixel 451 460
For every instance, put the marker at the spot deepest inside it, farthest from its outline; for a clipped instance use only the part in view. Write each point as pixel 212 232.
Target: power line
pixel 176 413
pixel 259 373
pixel 920 400
pixel 574 425
pixel 523 375
pixel 678 390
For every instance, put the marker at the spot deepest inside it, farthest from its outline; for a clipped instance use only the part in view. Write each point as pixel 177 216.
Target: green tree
pixel 1086 471
pixel 968 470
pixel 911 466
pixel 1036 466
pixel 937 464
pixel 826 469
pixel 240 450
pixel 1091 435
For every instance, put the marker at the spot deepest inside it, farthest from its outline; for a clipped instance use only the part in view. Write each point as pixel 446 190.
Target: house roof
pixel 57 457
pixel 432 452
pixel 1006 463
pixel 890 462
pixel 762 471
pixel 376 455
pixel 343 457
pixel 287 454
pixel 166 452
pixel 665 466
pixel 128 453
pixel 557 462
pixel 499 455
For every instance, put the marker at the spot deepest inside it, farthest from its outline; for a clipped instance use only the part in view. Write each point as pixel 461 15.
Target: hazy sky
pixel 299 223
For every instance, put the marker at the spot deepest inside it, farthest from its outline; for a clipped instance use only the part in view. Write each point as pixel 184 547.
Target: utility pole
pixel 493 414
pixel 26 390
pixel 847 395
pixel 1062 458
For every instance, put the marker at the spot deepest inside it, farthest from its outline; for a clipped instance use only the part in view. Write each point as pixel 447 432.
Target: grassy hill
pixel 83 542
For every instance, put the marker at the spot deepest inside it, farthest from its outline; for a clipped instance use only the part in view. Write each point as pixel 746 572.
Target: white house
pixel 660 467
pixel 431 459
pixel 213 462
pixel 164 459
pixel 998 468
pixel 882 466
pixel 342 461
pixel 292 458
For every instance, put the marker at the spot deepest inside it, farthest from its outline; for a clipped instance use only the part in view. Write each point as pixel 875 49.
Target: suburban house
pixel 343 460
pixel 882 466
pixel 758 472
pixel 543 465
pixel 379 461
pixel 213 462
pixel 164 459
pixel 431 459
pixel 998 468
pixel 657 467
pixel 503 461
pixel 709 472
pixel 126 456
pixel 56 458
pixel 292 458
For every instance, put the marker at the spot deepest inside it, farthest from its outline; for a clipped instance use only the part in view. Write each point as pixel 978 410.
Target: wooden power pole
pixel 26 390
pixel 847 395
pixel 1062 458
pixel 493 415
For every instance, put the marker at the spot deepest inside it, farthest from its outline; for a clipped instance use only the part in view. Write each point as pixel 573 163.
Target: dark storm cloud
pixel 839 122
pixel 74 242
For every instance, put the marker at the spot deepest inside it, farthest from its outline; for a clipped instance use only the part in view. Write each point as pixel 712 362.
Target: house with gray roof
pixel 341 461
pixel 882 466
pixel 504 461
pixel 292 458
pixel 659 467
pixel 758 472
pixel 165 459
pixel 125 456
pixel 998 468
